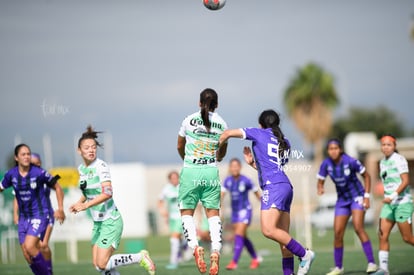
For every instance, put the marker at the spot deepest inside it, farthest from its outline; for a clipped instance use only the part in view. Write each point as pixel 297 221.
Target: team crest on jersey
pixel 347 171
pixel 33 183
pixel 242 187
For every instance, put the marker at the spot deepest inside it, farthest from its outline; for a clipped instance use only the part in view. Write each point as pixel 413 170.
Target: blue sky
pixel 135 68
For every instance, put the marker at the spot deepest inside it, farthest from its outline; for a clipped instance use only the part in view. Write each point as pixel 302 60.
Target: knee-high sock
pixel 189 230
pixel 215 233
pixel 338 256
pixel 122 259
pixel 175 250
pixel 39 265
pixel 288 266
pixel 49 265
pixel 296 248
pixel 383 259
pixel 238 247
pixel 250 248
pixel 368 251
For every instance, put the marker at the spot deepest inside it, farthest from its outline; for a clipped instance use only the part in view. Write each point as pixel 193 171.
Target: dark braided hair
pixel 271 119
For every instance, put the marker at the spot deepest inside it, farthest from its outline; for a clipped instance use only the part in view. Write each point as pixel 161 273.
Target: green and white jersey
pixel 201 146
pixel 90 182
pixel 169 195
pixel 390 170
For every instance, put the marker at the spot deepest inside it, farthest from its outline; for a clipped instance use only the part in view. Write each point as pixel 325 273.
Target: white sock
pixel 215 233
pixel 383 259
pixel 189 230
pixel 175 250
pixel 122 259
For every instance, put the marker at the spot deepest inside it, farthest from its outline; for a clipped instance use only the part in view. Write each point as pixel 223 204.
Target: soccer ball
pixel 214 4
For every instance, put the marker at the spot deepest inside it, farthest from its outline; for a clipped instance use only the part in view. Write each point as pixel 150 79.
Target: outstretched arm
pixel 105 195
pixel 229 134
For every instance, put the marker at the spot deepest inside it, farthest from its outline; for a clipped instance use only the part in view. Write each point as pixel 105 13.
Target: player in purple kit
pixel 44 244
pixel 270 154
pixel 353 199
pixel 28 182
pixel 239 186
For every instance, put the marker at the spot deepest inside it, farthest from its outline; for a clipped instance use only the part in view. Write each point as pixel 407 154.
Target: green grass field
pixel 401 259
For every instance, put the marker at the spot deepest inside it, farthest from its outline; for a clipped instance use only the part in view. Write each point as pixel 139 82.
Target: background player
pixel 28 182
pixel 270 149
pixel 96 186
pixel 44 244
pixel 398 202
pixel 353 199
pixel 199 181
pixel 239 186
pixel 168 207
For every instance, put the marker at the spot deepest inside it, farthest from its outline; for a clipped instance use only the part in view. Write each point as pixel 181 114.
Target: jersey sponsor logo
pixel 197 122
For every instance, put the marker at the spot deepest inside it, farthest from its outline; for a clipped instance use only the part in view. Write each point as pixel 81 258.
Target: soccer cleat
pixel 371 268
pixel 214 263
pixel 381 272
pixel 199 259
pixel 254 263
pixel 336 271
pixel 306 262
pixel 232 265
pixel 147 263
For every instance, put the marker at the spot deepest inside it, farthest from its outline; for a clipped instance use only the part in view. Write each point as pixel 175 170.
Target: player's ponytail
pixel 90 133
pixel 270 119
pixel 208 103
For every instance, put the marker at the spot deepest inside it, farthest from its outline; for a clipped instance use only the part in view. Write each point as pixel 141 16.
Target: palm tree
pixel 309 99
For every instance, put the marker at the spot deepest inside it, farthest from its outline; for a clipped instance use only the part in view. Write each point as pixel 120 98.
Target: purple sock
pixel 296 248
pixel 49 266
pixel 338 256
pixel 368 251
pixel 238 247
pixel 288 266
pixel 39 264
pixel 33 268
pixel 249 246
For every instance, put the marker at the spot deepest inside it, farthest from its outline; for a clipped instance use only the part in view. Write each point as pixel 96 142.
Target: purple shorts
pixel 277 195
pixel 345 208
pixel 34 227
pixel 242 216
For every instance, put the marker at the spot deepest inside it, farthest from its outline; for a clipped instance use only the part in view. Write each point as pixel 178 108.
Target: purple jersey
pixel 30 191
pixel 238 189
pixel 344 175
pixel 266 154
